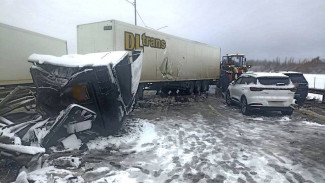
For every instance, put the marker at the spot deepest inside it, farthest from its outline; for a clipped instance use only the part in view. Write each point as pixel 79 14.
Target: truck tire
pixel 190 88
pixel 205 86
pixel 197 88
pixel 140 92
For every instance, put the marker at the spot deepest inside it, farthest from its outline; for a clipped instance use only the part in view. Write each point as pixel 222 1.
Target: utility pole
pixel 135 11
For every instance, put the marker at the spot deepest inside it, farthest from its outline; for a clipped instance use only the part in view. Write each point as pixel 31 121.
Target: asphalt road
pixel 201 139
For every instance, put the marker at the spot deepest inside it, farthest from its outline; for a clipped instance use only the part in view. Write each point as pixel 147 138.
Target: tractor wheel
pixel 228 99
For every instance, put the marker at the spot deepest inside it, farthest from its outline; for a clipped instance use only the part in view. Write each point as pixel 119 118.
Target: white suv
pixel 262 91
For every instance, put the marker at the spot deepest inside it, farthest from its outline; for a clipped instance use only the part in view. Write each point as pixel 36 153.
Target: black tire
pixel 140 92
pixel 165 90
pixel 197 88
pixel 287 112
pixel 228 99
pixel 244 108
pixel 205 86
pixel 190 88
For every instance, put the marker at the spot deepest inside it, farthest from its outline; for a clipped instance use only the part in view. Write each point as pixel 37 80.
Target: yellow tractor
pixel 231 67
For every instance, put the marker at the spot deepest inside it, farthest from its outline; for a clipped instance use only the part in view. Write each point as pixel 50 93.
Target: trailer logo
pixel 133 41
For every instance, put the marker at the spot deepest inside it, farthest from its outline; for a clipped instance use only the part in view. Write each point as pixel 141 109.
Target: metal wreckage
pixel 74 97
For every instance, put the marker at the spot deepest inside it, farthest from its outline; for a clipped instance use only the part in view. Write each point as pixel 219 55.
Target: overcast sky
pixel 260 29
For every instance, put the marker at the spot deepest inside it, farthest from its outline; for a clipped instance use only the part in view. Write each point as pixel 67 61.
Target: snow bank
pixel 315 96
pixel 315 80
pixel 313 124
pixel 92 59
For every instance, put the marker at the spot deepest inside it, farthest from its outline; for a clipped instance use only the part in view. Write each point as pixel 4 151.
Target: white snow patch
pixel 118 177
pixel 285 118
pixel 71 142
pixel 22 177
pixel 315 96
pixel 313 123
pixel 44 174
pixel 78 127
pixel 143 133
pixel 256 119
pixel 147 136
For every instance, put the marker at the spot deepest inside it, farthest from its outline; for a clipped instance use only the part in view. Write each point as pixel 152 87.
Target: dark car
pixel 301 84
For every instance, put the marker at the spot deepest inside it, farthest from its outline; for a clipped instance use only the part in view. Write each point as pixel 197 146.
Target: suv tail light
pixel 255 89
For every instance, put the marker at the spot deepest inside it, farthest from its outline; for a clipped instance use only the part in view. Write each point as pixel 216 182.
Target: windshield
pixel 236 60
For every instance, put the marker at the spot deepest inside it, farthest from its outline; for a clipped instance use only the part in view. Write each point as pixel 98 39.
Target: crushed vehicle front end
pixel 102 82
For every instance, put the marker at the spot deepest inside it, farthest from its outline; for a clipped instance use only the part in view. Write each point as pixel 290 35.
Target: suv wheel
pixel 228 98
pixel 244 107
pixel 288 112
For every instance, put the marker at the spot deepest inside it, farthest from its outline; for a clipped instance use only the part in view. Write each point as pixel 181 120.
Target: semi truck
pixel 170 63
pixel 16 45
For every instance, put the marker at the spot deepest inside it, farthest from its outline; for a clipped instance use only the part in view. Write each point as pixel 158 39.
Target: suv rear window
pixel 274 80
pixel 297 78
pixel 249 80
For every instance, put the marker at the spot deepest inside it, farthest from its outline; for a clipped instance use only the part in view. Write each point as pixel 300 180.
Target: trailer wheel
pixel 197 88
pixel 190 88
pixel 205 86
pixel 165 90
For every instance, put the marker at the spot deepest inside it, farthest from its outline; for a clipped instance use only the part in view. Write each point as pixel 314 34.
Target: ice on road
pixel 196 143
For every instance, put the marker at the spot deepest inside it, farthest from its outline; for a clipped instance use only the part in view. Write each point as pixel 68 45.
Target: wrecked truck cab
pixel 105 83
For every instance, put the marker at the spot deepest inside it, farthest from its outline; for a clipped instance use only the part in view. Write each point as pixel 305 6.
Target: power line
pixel 141 19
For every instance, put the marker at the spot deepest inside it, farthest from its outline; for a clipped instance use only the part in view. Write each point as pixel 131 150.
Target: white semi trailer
pixel 16 45
pixel 170 63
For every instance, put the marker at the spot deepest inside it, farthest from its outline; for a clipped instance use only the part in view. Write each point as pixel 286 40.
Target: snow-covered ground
pixel 197 142
pixel 315 81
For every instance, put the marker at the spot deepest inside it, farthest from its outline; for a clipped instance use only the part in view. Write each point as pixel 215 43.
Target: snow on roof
pixel 290 72
pixel 75 60
pixel 237 54
pixel 264 74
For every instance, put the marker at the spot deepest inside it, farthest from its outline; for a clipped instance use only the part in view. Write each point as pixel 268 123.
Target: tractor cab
pixel 231 67
pixel 233 60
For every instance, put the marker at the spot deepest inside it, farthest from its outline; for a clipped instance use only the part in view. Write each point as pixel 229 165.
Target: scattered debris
pixel 74 97
pixel 67 162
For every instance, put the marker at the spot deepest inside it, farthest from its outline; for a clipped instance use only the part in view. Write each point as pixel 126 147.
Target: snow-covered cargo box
pixel 16 45
pixel 167 60
pixel 105 83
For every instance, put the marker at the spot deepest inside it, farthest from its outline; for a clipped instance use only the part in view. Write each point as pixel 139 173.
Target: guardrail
pixel 318 91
